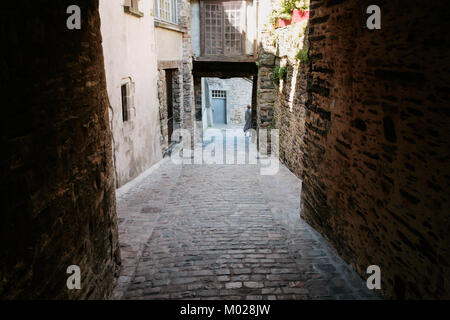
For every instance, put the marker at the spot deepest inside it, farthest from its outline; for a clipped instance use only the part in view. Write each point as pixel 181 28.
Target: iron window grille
pixel 219 94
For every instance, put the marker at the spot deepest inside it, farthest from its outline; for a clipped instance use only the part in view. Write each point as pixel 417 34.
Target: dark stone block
pixel 389 129
pixel 359 124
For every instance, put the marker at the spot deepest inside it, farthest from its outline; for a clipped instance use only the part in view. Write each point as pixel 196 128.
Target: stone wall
pixel 239 95
pixel 290 93
pixel 364 124
pixel 58 199
pixel 189 113
pixel 281 104
pixel 176 58
pixel 289 114
pixel 376 144
pixel 177 102
pixel 266 90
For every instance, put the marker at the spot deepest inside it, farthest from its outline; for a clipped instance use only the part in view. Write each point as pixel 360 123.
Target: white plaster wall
pixel 129 52
pixel 195 27
pixel 169 44
pixel 251 28
pixel 206 107
pixel 264 8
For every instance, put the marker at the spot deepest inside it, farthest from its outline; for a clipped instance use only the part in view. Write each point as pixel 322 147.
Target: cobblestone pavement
pixel 224 232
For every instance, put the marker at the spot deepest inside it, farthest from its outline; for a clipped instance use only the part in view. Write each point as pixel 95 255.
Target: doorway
pixel 219 106
pixel 169 99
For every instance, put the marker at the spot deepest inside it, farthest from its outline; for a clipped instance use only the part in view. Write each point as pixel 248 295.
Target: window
pixel 213 28
pixel 132 7
pixel 222 27
pixel 219 93
pixel 125 103
pixel 135 4
pixel 166 10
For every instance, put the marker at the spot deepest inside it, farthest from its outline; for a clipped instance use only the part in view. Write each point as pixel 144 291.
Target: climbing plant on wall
pixel 302 55
pixel 279 73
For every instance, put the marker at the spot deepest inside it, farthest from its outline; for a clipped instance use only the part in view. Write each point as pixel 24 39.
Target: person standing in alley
pixel 248 119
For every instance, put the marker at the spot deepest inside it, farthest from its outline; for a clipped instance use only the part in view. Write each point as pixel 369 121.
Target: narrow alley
pixel 225 150
pixel 224 232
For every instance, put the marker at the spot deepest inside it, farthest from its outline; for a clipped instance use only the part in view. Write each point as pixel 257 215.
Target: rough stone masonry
pixel 58 199
pixel 375 151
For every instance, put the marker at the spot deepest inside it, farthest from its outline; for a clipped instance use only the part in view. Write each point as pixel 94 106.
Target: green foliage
pixel 288 5
pixel 278 74
pixel 302 55
pixel 275 75
pixel 285 16
pixel 273 17
pixel 282 73
pixel 302 4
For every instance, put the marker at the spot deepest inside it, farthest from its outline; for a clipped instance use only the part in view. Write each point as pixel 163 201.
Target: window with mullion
pixel 222 28
pixel 166 10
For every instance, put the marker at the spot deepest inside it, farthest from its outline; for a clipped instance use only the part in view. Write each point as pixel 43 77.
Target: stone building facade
pixel 222 47
pixel 238 96
pixel 367 135
pixel 131 73
pixel 189 118
pixel 377 143
pixel 59 206
pixel 175 80
pixel 281 102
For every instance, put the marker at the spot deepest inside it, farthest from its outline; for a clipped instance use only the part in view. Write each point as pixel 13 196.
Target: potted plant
pixel 282 13
pixel 290 11
pixel 300 11
pixel 299 15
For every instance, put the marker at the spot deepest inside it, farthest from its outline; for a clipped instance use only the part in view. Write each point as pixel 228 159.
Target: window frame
pixel 218 94
pixel 125 101
pixel 173 11
pixel 243 27
pixel 134 4
pixel 132 7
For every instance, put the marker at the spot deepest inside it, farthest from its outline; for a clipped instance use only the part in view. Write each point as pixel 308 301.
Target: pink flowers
pixel 297 16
